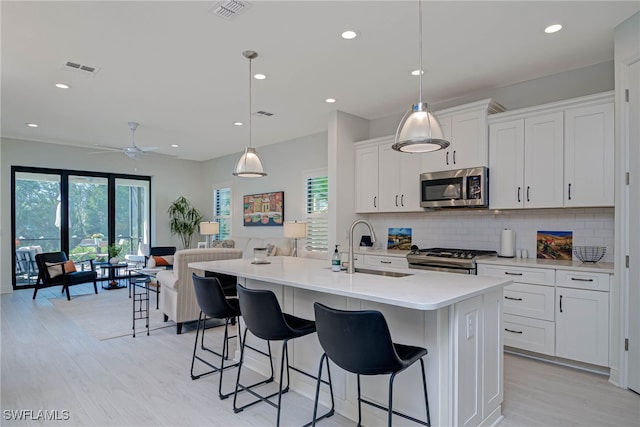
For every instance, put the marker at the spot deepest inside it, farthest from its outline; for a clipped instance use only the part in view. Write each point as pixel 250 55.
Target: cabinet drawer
pixel 386 261
pixel 533 301
pixel 529 334
pixel 583 280
pixel 538 276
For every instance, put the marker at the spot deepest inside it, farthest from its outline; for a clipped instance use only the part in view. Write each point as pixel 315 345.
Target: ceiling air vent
pixel 86 69
pixel 227 9
pixel 264 113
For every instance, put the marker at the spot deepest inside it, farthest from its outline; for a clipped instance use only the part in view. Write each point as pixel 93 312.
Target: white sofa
pixel 282 246
pixel 177 296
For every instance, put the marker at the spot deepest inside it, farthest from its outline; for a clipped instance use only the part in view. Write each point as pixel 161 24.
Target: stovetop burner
pixel 450 252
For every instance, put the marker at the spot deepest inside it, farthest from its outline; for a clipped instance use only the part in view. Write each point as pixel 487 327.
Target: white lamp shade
pixel 295 229
pixel 210 227
pixel 143 249
pixel 419 131
pixel 249 165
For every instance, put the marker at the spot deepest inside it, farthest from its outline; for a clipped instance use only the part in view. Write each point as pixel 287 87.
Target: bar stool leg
pixel 390 410
pixel 317 398
pixel 359 404
pixel 424 385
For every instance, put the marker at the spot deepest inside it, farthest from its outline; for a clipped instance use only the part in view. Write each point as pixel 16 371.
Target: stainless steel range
pixel 450 260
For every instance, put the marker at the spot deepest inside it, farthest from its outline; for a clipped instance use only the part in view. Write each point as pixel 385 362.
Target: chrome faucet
pixel 351 267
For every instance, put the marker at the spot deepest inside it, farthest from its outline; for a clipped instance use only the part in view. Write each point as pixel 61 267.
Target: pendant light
pixel 249 165
pixel 419 130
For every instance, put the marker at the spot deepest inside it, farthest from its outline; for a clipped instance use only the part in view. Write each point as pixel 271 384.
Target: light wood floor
pixel 48 362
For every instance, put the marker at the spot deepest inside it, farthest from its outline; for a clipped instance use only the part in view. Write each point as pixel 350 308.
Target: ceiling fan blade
pixel 146 149
pixel 109 148
pixel 153 154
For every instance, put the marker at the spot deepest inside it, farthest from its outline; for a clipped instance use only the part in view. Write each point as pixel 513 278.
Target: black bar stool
pixel 360 342
pixel 215 305
pixel 264 318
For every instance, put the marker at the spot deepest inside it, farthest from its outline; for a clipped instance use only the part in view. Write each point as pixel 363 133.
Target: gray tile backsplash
pixel 480 229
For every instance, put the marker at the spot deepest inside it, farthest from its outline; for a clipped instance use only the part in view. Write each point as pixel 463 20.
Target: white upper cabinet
pixel 367 179
pixel 543 161
pixel 386 180
pixel 553 155
pixel 465 127
pixel 588 152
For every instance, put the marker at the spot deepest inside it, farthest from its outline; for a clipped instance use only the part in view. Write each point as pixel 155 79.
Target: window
pixel 77 212
pixel 222 211
pixel 317 212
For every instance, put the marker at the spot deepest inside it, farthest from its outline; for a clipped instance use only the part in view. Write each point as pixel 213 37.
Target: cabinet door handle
pixel 560 303
pixel 528 193
pixel 519 189
pixel 454 157
pixel 578 279
pixel 385 262
pixel 447 157
pixel 512 331
pixel 402 200
pixel 513 274
pixel 569 191
pixel 396 200
pixel 375 199
pixel 513 299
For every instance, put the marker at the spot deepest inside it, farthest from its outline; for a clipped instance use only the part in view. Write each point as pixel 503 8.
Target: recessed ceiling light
pixel 174 146
pixel 63 86
pixel 238 123
pixel 330 100
pixel 259 76
pixel 553 28
pixel 349 34
pixel 33 125
pixel 416 72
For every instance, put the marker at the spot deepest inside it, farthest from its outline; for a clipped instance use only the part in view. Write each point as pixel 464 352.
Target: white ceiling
pixel 178 69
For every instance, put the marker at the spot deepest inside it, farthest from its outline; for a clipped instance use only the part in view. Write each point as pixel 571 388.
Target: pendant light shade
pixel 419 130
pixel 249 165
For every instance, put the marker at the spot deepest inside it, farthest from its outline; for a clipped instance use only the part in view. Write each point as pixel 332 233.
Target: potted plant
pixel 184 219
pixel 114 252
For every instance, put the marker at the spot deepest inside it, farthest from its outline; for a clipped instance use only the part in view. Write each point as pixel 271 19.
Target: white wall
pixel 285 164
pixel 480 228
pixel 557 87
pixel 171 178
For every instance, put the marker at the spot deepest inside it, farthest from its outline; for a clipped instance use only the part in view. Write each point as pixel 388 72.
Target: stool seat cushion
pixel 409 354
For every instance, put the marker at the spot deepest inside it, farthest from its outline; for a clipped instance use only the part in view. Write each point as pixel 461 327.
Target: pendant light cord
pixel 250 144
pixel 420 47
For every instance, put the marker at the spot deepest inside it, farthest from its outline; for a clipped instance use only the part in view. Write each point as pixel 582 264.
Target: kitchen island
pixel 456 317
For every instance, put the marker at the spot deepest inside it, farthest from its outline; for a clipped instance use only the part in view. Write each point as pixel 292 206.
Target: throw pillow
pixel 271 250
pixel 223 243
pixel 69 267
pixel 160 261
pixel 54 268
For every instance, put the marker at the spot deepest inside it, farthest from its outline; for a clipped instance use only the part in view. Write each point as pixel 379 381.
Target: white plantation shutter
pixel 317 213
pixel 222 211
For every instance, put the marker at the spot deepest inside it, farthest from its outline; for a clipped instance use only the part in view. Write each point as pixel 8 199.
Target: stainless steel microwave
pixel 455 188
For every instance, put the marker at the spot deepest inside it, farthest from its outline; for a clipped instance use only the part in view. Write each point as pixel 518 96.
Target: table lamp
pixel 295 230
pixel 209 228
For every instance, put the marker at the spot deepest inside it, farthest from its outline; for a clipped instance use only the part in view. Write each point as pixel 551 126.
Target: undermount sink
pixel 382 272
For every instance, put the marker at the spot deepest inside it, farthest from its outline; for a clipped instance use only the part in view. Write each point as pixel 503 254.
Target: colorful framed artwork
pixel 554 245
pixel 399 239
pixel 263 210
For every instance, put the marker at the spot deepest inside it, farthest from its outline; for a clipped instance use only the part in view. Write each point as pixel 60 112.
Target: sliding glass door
pixel 80 213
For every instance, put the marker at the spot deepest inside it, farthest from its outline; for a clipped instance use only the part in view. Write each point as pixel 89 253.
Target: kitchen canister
pixel 507 243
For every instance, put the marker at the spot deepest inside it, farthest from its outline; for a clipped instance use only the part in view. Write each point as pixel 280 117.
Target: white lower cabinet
pixel 582 325
pixel 556 311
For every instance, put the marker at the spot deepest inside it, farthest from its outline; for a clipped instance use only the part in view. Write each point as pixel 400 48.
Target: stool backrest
pixel 210 297
pixel 356 341
pixel 262 314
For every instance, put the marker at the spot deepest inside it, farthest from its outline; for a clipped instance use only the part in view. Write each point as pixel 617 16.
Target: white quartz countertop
pixel 599 267
pixel 422 290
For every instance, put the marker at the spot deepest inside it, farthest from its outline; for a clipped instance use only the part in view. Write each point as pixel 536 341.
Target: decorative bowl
pixel 589 253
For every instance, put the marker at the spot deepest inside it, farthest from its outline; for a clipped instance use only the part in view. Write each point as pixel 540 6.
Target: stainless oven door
pixel 445 269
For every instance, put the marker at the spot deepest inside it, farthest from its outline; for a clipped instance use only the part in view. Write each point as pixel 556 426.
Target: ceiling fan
pixel 133 151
